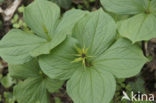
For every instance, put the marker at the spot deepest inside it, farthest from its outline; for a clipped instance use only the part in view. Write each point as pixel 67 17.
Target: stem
pixel 149 5
pixel 147 11
pixel 46 32
pixel 87 64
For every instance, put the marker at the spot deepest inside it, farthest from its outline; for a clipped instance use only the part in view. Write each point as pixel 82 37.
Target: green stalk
pixel 149 5
pixel 46 32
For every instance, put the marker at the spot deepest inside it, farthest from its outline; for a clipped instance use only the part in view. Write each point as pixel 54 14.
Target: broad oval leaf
pixel 139 27
pixel 24 71
pixel 127 59
pixel 36 85
pixel 125 6
pixel 15 47
pixel 91 86
pixel 42 19
pixel 98 37
pixel 34 90
pixel 69 19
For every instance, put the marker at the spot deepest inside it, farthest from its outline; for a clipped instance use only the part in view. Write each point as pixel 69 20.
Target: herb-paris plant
pixel 91 58
pixel 18 47
pixel 36 85
pixel 141 26
pixel 81 48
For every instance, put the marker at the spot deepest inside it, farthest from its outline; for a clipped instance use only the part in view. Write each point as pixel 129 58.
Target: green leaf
pixel 139 27
pixel 16 45
pixel 138 85
pixel 23 71
pixel 89 85
pixel 65 26
pixel 31 69
pixel 57 100
pixel 1 1
pixel 51 28
pixel 127 59
pixel 63 3
pixel 98 37
pixel 36 85
pixel 42 19
pixel 19 47
pixel 93 42
pixel 8 97
pixel 125 6
pixel 69 19
pixel 64 70
pixel 58 64
pixel 34 90
pixel 7 81
pixel 153 7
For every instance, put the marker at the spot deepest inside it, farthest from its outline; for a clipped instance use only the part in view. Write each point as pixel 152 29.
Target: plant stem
pixel 149 5
pixel 46 32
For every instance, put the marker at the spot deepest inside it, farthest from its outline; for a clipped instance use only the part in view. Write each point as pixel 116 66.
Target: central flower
pixel 82 56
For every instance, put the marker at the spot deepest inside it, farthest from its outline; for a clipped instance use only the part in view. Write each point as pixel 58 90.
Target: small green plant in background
pixel 57 100
pixel 121 86
pixel 7 81
pixel 18 22
pixel 86 4
pixel 9 97
pixel 135 86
